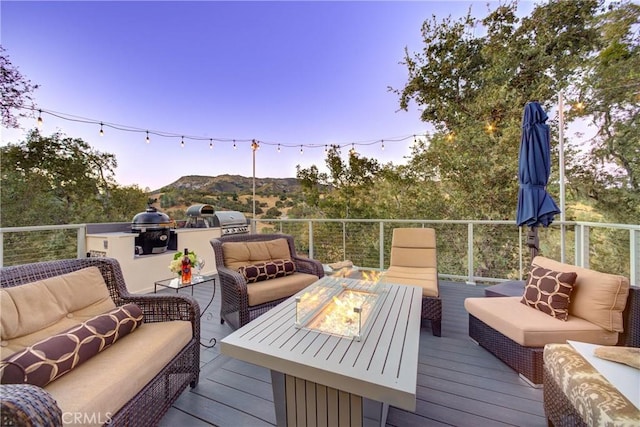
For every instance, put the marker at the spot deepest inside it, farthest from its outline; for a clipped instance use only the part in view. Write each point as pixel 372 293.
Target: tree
pixel 609 174
pixel 62 180
pixel 15 92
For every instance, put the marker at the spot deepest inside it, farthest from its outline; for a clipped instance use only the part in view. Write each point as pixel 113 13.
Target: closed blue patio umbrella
pixel 535 205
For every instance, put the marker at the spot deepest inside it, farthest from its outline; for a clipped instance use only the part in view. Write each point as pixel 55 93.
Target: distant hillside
pixel 234 184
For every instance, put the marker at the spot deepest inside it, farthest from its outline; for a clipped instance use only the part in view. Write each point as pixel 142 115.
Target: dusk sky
pixel 289 73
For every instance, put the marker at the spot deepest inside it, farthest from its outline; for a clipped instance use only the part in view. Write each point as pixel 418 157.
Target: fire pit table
pixel 340 374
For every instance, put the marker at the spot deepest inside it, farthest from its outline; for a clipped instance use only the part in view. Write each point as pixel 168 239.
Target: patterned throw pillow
pixel 54 356
pixel 549 291
pixel 267 270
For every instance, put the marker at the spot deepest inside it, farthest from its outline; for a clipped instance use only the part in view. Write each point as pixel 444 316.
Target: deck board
pixel 459 383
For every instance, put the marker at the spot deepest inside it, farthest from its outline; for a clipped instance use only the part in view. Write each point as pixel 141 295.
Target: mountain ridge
pixel 238 184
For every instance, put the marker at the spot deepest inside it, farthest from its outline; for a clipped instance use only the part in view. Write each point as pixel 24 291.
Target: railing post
pixel 344 241
pixel 311 239
pixel 82 241
pixel 634 261
pixel 578 245
pixel 520 252
pixel 470 280
pixel 582 246
pixel 381 245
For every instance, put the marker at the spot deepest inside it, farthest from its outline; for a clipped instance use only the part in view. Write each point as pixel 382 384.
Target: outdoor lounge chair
pixel 243 298
pixel 414 262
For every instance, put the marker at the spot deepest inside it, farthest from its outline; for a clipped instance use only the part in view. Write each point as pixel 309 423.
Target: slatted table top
pixel 382 366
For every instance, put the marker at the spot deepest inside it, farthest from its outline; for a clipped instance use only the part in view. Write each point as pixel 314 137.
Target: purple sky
pixel 310 73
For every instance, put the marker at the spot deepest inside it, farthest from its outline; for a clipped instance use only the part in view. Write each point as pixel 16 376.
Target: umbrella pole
pixel 533 242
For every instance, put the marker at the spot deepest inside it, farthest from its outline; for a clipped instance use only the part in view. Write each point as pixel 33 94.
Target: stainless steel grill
pixel 230 222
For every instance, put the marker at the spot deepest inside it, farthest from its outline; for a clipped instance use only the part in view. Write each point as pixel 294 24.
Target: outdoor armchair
pixel 258 272
pixel 414 262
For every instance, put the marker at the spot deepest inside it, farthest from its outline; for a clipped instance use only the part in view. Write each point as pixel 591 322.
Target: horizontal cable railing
pixel 468 250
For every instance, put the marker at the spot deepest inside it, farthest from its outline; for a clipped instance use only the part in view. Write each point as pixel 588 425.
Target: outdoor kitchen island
pixel 346 378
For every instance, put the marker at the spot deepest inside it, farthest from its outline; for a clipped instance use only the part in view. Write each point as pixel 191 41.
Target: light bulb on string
pixel 182 142
pixel 39 121
pixel 234 144
pixel 278 148
pixel 326 149
pixel 353 150
pixel 450 137
pixel 101 131
pixel 147 140
pixel 490 127
pixel 301 151
pixel 382 144
pixel 211 144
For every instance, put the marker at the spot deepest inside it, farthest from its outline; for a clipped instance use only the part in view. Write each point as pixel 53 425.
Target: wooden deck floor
pixel 459 383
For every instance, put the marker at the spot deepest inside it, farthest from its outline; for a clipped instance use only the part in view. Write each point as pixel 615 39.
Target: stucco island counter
pixel 347 378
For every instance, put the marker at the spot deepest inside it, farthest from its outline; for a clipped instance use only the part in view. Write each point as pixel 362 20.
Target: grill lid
pixel 150 219
pixel 225 219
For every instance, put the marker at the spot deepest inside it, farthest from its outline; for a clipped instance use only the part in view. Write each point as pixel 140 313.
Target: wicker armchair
pixel 234 306
pixel 24 404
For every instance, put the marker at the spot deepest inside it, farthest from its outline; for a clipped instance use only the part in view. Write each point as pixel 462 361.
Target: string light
pixel 211 143
pixel 301 152
pixel 254 145
pixel 104 125
pixel 490 127
pixel 450 137
pixel 579 105
pixel 352 152
pixel 382 144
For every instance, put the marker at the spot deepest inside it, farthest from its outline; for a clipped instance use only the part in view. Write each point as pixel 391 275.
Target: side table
pixel 175 283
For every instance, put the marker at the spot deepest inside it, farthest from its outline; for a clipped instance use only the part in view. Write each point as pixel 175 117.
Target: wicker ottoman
pixel 576 394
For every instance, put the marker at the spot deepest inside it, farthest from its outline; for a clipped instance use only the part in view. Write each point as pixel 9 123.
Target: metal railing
pixel 469 251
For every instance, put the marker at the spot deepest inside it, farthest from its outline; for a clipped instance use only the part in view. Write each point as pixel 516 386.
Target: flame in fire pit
pixel 345 314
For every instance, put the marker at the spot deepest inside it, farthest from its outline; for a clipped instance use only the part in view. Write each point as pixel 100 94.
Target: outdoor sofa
pixel 603 309
pixel 258 272
pixel 137 353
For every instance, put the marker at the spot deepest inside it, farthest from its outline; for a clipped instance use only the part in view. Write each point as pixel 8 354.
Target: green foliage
pixel 15 92
pixel 61 180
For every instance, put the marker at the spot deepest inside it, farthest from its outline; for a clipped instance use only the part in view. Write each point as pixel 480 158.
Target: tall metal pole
pixel 254 147
pixel 561 161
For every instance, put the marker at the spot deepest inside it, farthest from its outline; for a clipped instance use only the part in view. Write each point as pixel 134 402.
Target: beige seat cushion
pixel 414 259
pixel 597 297
pixel 238 254
pixel 103 384
pixel 281 287
pixel 427 278
pixel 532 328
pixel 34 311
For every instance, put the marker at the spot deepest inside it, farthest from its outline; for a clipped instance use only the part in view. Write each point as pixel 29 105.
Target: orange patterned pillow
pixel 267 270
pixel 54 356
pixel 549 291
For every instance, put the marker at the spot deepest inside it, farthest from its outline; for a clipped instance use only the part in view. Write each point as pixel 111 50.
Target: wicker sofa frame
pixel 527 361
pixel 24 404
pixel 234 304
